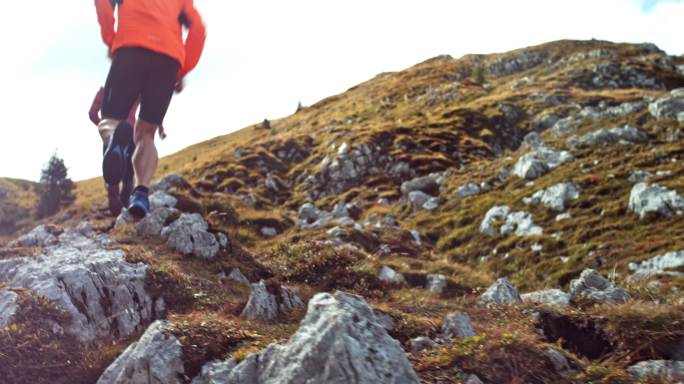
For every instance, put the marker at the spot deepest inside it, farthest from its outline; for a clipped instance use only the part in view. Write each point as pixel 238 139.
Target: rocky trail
pixel 420 228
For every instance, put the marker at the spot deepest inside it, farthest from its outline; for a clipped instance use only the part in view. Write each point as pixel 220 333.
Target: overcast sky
pixel 263 56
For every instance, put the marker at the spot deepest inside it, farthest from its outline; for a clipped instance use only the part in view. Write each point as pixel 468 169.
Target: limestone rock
pixel 593 286
pixel 157 358
pixel 555 197
pixel 495 214
pixel 104 294
pixel 8 307
pixel 501 292
pixel 680 117
pixel 162 199
pixel 436 283
pixel 611 136
pixel 389 275
pixel 40 236
pixel 215 372
pixel 554 297
pixel 659 264
pixel 665 370
pixel 153 224
pixel 645 199
pixel 666 108
pixel 421 343
pixel 237 276
pixel 168 182
pixel 269 231
pixel 418 199
pixel 472 379
pixel 265 306
pixel 521 224
pixel 639 176
pixel 457 325
pixel 470 189
pixel 188 235
pixel 338 342
pixel 426 184
pixel 559 361
pixel 538 162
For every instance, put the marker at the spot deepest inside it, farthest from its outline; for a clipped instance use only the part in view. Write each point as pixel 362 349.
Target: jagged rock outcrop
pixel 436 283
pixel 311 217
pixel 659 265
pixel 501 292
pixel 626 134
pixel 665 370
pixel 264 305
pixel 157 358
pixel 40 236
pixel 389 275
pixel 339 342
pixel 457 325
pixel 540 161
pixel 554 297
pixel 593 286
pixel 654 198
pixel 188 235
pixel 555 197
pixel 104 294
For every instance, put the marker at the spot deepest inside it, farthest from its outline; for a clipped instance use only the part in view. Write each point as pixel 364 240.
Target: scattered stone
pixel 666 108
pixel 421 343
pixel 416 237
pixel 269 231
pixel 436 283
pixel 664 370
pixel 680 117
pixel 593 286
pixel 264 305
pixel 492 216
pixel 389 275
pixel 457 325
pixel 153 224
pixel 237 276
pixel 538 162
pixel 336 232
pixel 470 189
pixel 426 184
pixel 553 297
pixel 645 199
pixel 170 181
pixel 339 341
pixel 223 240
pixel 104 294
pixel 659 264
pixel 8 307
pixel 188 235
pixel 41 236
pixel 156 358
pixel 422 201
pixel 308 213
pixel 611 136
pixel 432 204
pixel 215 372
pixel 501 292
pixel 472 379
pixel 559 361
pixel 555 197
pixel 640 176
pixel 162 199
pixel 521 224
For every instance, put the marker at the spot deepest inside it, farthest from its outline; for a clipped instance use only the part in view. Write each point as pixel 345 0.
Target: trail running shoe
pixel 114 200
pixel 139 204
pixel 113 159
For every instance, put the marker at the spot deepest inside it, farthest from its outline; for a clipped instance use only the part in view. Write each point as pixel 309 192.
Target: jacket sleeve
pixel 194 43
pixel 105 16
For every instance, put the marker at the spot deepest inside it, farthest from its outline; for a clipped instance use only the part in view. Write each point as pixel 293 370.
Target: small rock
pixel 659 264
pixel 308 213
pixel 418 199
pixel 421 343
pixel 646 199
pixel 156 358
pixel 40 236
pixel 436 283
pixel 538 162
pixel 495 214
pixel 188 235
pixel 609 137
pixel 170 181
pixel 457 325
pixel 215 372
pixel 554 297
pixel 389 275
pixel 237 276
pixel 161 199
pixel 416 237
pixel 664 370
pixel 269 231
pixel 336 232
pixel 555 197
pixel 432 204
pixel 426 184
pixel 591 285
pixel 501 292
pixel 223 240
pixel 153 224
pixel 8 307
pixel 263 305
pixel 639 176
pixel 666 108
pixel 559 361
pixel 521 224
pixel 470 189
pixel 472 379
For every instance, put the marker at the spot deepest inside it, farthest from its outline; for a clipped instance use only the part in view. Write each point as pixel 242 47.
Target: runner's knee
pixel 144 130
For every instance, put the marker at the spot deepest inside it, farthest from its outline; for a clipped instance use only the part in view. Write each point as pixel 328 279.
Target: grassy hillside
pixel 18 201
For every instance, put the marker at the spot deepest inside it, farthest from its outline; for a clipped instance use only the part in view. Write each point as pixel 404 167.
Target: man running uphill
pixel 149 59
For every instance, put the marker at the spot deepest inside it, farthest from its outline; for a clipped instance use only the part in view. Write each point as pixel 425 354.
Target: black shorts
pixel 144 73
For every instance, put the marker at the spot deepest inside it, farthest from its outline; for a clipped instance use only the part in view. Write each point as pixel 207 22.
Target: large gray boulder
pixel 266 306
pixel 610 136
pixel 593 286
pixel 665 370
pixel 157 358
pixel 666 108
pixel 659 264
pixel 555 197
pixel 501 292
pixel 645 199
pixel 457 325
pixel 552 297
pixel 188 235
pixel 540 161
pixel 40 236
pixel 339 342
pixel 104 294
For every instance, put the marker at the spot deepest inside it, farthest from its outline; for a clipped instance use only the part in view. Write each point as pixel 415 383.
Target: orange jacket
pixel 156 25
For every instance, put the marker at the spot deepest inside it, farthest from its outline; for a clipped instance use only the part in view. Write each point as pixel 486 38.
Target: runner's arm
pixel 96 106
pixel 194 43
pixel 105 16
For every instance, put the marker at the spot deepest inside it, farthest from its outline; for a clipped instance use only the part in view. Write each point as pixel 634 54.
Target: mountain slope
pixel 17 205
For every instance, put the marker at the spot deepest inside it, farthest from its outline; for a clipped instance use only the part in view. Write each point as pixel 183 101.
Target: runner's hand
pixel 180 85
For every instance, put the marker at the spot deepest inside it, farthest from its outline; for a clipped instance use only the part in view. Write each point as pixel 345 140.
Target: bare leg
pixel 145 158
pixel 106 129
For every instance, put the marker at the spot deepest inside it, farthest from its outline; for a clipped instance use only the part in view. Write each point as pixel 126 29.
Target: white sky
pixel 263 56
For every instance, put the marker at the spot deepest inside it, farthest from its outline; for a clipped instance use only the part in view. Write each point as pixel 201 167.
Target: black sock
pixel 141 188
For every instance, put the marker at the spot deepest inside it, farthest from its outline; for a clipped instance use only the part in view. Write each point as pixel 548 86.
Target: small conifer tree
pixel 55 188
